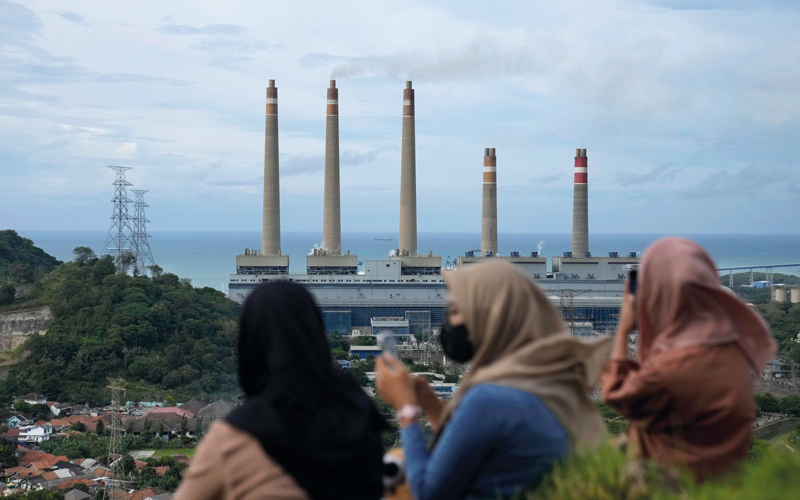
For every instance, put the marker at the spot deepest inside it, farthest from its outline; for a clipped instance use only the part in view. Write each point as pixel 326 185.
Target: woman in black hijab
pixel 305 430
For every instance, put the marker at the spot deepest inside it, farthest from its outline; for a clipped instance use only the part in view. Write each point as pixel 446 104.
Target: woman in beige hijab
pixel 523 403
pixel 689 399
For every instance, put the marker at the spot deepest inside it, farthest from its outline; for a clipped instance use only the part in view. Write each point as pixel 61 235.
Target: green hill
pixel 161 334
pixel 21 261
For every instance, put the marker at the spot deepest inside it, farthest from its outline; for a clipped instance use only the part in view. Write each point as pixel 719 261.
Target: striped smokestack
pixel 580 206
pixel 489 217
pixel 408 178
pixel 332 220
pixel 271 226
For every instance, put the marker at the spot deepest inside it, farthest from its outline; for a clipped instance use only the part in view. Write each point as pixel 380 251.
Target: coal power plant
pixel 405 292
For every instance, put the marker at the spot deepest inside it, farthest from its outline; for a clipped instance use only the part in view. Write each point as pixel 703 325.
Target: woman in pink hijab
pixel 689 399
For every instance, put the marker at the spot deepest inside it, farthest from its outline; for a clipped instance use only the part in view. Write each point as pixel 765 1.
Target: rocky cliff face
pixel 16 327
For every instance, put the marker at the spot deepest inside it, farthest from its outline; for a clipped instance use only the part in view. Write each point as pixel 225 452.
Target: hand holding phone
pixel 387 344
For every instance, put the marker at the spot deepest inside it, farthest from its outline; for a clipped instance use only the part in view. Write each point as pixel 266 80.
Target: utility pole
pixel 117 386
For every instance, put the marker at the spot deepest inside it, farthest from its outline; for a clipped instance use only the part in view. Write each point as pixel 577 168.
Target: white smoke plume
pixel 392 253
pixel 540 246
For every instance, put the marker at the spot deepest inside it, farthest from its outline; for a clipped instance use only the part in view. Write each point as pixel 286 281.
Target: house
pixel 145 494
pixel 60 409
pixel 218 409
pixel 76 495
pixel 193 406
pixel 66 485
pixel 18 420
pixel 35 433
pixel 32 398
pixel 174 410
pixel 12 435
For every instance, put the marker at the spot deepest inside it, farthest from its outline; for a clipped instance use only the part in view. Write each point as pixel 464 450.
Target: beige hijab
pixel 521 342
pixel 681 303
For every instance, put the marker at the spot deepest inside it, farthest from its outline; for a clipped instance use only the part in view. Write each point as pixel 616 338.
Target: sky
pixel 689 111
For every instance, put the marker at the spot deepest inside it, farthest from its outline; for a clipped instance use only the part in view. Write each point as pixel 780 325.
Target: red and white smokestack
pixel 332 220
pixel 408 177
pixel 271 225
pixel 580 206
pixel 489 216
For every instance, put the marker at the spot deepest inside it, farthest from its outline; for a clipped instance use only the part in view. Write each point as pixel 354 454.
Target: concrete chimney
pixel 408 178
pixel 580 206
pixel 489 217
pixel 271 226
pixel 332 219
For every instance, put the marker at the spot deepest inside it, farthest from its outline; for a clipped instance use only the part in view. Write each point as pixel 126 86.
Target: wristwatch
pixel 409 412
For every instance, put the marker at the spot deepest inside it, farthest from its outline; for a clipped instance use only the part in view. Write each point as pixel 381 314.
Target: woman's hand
pixel 432 406
pixel 627 322
pixel 394 383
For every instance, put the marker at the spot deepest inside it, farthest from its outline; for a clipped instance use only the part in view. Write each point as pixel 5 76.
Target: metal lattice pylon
pixel 118 242
pixel 115 462
pixel 144 256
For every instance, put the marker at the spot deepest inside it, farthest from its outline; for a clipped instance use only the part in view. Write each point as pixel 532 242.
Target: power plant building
pixel 407 289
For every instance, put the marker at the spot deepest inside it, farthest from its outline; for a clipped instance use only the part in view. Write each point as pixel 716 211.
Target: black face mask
pixel 455 343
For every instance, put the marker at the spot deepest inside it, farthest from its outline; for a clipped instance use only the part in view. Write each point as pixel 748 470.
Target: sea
pixel 208 258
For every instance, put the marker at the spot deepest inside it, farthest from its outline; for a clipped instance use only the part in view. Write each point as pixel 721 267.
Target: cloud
pixel 310 164
pixel 547 178
pixel 230 30
pixel 72 17
pixel 17 22
pixel 128 149
pixel 479 59
pixel 317 59
pixel 219 39
pixel 748 179
pixel 658 173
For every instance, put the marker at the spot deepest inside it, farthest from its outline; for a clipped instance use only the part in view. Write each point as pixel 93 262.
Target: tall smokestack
pixel 489 217
pixel 408 177
pixel 580 206
pixel 332 219
pixel 271 227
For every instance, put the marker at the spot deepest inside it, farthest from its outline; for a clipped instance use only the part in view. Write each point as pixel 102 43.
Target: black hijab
pixel 310 417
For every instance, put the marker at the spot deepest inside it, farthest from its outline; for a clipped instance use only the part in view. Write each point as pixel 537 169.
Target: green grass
pixel 189 452
pixel 602 475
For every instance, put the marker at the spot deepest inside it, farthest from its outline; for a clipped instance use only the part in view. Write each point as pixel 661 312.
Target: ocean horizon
pixel 208 257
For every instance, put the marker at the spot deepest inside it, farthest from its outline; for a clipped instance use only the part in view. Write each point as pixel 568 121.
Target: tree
pixel 365 340
pixel 767 403
pixel 100 429
pixel 155 270
pixel 7 294
pixel 83 255
pixel 78 426
pixel 790 405
pixel 128 463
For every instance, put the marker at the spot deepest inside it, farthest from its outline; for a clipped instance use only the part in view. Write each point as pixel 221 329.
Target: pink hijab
pixel 680 303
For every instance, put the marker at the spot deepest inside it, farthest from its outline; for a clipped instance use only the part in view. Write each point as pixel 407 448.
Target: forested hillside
pixel 161 334
pixel 21 261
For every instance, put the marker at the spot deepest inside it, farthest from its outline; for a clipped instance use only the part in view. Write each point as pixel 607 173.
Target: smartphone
pixel 633 277
pixel 387 344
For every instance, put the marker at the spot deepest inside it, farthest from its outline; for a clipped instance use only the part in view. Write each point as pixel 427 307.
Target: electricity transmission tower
pixel 118 242
pixel 144 256
pixel 115 465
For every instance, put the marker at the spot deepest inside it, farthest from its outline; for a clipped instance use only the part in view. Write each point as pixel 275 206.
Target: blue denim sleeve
pixel 447 471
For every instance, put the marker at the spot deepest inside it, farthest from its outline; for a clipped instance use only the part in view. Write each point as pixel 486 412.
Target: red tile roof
pixel 50 476
pixel 162 470
pixel 72 482
pixel 170 409
pixel 101 472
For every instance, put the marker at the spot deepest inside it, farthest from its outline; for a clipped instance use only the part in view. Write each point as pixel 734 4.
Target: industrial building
pixel 405 292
